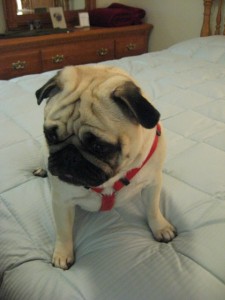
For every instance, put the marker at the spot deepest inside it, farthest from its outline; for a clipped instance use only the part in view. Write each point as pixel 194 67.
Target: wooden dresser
pixel 27 55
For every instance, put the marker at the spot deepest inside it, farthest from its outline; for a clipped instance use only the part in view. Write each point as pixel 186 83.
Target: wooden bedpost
pixel 224 29
pixel 218 18
pixel 206 31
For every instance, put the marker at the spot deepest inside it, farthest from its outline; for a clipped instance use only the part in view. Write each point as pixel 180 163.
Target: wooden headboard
pixel 219 28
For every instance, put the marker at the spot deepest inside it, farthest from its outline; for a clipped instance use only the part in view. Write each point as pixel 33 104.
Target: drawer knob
pixel 19 65
pixel 103 51
pixel 131 46
pixel 58 58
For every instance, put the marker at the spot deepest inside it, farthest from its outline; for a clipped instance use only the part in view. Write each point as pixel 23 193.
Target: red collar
pixel 108 201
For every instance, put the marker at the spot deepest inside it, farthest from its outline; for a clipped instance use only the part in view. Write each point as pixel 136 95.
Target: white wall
pixel 173 20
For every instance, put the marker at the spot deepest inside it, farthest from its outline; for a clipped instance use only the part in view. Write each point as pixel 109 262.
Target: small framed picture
pixel 57 17
pixel 84 19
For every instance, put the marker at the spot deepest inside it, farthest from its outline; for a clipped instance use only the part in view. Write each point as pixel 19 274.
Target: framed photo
pixel 84 19
pixel 57 17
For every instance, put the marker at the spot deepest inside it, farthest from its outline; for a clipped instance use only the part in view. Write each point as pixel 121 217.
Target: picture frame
pixel 57 17
pixel 84 19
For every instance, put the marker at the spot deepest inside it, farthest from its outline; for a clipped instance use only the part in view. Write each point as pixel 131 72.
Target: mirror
pixel 36 6
pixel 19 13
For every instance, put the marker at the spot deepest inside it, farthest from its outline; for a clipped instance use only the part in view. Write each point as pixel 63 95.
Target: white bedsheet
pixel 117 258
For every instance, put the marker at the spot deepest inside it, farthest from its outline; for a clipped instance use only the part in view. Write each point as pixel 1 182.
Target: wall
pixel 173 20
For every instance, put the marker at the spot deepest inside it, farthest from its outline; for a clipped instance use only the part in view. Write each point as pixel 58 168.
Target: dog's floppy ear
pixel 129 98
pixel 48 90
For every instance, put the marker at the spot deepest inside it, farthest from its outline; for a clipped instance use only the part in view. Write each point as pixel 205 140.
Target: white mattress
pixel 117 257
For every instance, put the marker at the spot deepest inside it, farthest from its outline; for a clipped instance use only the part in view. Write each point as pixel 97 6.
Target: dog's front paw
pixel 162 230
pixel 165 234
pixel 63 257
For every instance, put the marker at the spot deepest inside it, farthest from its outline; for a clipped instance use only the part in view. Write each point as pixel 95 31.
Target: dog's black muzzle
pixel 70 166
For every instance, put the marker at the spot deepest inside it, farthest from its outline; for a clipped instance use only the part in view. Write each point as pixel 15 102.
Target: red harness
pixel 108 201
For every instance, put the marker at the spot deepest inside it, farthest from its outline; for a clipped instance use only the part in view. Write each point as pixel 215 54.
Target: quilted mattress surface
pixel 117 257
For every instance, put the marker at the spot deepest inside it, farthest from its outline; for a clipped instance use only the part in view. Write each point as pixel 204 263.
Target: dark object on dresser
pixel 116 15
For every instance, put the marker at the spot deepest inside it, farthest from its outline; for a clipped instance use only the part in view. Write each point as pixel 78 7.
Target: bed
pixel 117 257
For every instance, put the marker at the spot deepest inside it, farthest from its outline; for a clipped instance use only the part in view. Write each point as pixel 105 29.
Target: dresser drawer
pixel 75 54
pixel 21 56
pixel 128 46
pixel 19 63
pixel 54 58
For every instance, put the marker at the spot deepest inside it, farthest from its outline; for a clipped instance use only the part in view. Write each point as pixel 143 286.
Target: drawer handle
pixel 19 65
pixel 103 51
pixel 58 58
pixel 131 47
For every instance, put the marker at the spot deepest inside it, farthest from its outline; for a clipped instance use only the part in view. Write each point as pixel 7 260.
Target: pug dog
pixel 105 145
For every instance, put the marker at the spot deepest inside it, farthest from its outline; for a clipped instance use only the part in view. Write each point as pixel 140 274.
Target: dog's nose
pixel 51 134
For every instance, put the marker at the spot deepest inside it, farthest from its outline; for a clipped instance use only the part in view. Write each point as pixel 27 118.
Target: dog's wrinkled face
pixel 93 121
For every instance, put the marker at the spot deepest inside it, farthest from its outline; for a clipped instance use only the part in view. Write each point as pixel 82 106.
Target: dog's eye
pixel 98 148
pixel 93 144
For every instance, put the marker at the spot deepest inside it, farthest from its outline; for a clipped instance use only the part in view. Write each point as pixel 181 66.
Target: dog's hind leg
pixel 39 172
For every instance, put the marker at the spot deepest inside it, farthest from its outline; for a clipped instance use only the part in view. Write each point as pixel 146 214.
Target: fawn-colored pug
pixel 105 145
